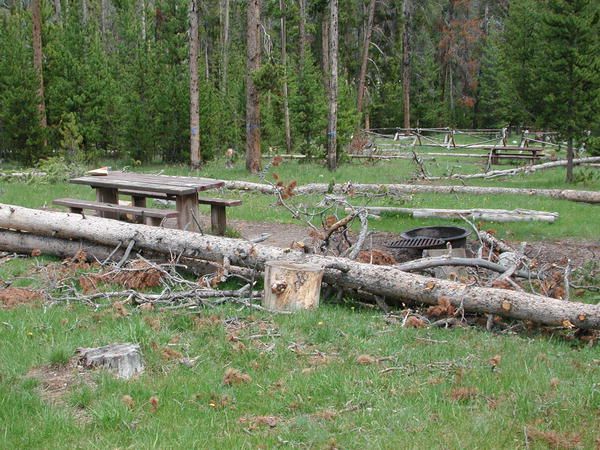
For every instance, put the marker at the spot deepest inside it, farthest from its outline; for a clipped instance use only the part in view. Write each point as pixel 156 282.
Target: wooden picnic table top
pixel 516 148
pixel 174 185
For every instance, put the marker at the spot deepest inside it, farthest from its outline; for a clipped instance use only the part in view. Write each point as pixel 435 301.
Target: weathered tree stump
pixel 292 286
pixel 123 359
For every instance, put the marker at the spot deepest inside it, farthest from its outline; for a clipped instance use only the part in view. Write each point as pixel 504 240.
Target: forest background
pixel 116 73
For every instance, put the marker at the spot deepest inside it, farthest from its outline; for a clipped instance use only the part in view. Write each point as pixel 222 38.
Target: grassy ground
pixel 418 388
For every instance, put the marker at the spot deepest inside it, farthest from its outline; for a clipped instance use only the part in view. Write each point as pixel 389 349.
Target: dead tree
pixel 252 94
pixel 194 90
pixel 333 86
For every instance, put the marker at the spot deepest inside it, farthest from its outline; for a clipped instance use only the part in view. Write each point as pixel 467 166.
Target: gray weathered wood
pixel 125 360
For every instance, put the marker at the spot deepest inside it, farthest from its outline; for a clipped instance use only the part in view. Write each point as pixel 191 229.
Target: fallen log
pixel 398 189
pixel 490 215
pixel 517 170
pixel 385 281
pixel 439 261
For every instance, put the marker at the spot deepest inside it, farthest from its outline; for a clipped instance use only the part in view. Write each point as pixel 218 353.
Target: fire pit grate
pixel 417 243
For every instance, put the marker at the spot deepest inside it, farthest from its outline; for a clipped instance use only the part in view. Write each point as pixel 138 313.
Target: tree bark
pixel 36 17
pixel 286 109
pixel 400 189
pixel 490 215
pixel 333 87
pixel 123 359
pixel 252 94
pixel 194 89
pixel 570 160
pixel 225 46
pixel 365 57
pixel 406 7
pixel 84 12
pixel 291 287
pixel 384 281
pixel 325 50
pixel 57 11
pixel 302 32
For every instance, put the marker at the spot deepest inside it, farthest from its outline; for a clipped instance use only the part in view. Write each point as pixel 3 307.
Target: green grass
pixel 541 382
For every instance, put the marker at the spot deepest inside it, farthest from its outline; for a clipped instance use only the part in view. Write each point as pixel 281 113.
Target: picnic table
pixel 531 154
pixel 183 189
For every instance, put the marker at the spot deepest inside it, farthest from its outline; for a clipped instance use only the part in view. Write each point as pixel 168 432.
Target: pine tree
pixel 568 66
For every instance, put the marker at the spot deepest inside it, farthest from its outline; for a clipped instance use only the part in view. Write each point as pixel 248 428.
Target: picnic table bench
pixel 184 190
pixel 513 152
pixel 218 215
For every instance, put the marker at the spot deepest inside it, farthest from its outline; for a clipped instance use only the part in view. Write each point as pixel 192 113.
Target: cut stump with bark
pixel 125 360
pixel 292 286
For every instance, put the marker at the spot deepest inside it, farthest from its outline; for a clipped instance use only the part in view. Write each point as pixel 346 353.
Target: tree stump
pixel 123 359
pixel 292 286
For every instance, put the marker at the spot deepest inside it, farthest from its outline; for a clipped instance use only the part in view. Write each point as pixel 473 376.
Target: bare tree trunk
pixel 406 7
pixel 333 87
pixel 194 90
pixel 252 94
pixel 36 17
pixel 302 32
pixel 570 160
pixel 57 11
pixel 286 109
pixel 225 46
pixel 325 51
pixel 365 57
pixel 84 12
pixel 389 282
pixel 143 19
pixel 103 17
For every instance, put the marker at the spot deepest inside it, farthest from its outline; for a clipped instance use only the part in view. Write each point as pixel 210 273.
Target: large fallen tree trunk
pixel 388 282
pixel 399 189
pixel 493 215
pixel 517 170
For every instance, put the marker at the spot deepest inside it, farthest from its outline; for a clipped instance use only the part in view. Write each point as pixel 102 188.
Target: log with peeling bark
pixel 387 282
pixel 518 170
pixel 491 215
pixel 399 189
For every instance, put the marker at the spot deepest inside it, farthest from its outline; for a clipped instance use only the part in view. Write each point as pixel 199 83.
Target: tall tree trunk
pixel 302 32
pixel 36 17
pixel 225 46
pixel 252 94
pixel 103 17
pixel 143 20
pixel 365 57
pixel 406 7
pixel 325 50
pixel 333 87
pixel 57 11
pixel 286 109
pixel 84 12
pixel 570 159
pixel 194 90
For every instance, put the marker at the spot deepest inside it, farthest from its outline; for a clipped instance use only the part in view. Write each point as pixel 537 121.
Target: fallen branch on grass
pixel 387 282
pixel 403 189
pixel 439 261
pixel 491 215
pixel 518 170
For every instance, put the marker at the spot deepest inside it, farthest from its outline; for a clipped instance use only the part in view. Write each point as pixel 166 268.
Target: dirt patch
pixel 13 297
pixel 579 252
pixel 56 382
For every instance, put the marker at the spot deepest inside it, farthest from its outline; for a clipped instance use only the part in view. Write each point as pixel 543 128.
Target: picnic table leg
pixel 187 207
pixel 108 195
pixel 139 201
